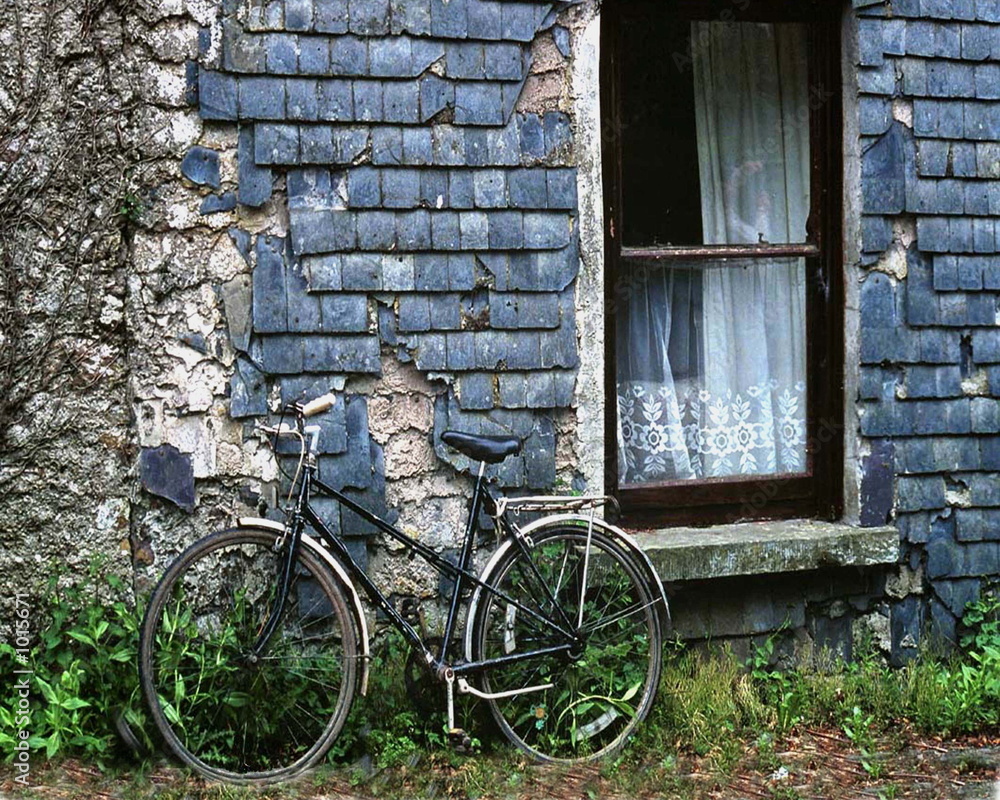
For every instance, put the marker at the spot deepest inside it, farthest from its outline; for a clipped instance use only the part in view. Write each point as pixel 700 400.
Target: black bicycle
pixel 255 639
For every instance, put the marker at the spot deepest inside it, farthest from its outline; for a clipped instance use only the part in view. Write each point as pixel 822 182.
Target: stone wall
pixel 929 338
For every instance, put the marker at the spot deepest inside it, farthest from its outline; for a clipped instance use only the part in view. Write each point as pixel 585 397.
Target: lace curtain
pixel 711 358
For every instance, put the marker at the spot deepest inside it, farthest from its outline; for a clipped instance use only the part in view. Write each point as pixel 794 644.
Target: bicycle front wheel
pixel 603 685
pixel 229 709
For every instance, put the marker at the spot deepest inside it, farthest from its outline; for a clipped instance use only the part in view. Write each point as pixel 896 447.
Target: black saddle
pixel 491 449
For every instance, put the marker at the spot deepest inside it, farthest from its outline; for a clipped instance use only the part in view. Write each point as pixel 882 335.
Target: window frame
pixel 819 492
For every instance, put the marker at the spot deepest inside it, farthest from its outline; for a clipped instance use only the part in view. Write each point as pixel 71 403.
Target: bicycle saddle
pixel 491 449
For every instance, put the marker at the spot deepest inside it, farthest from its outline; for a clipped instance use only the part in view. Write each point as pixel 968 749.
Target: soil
pixel 810 764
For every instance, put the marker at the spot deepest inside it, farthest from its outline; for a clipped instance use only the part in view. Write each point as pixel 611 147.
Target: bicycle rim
pixel 604 686
pixel 229 714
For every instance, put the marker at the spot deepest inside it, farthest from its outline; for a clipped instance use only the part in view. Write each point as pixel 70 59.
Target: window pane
pixel 711 370
pixel 715 131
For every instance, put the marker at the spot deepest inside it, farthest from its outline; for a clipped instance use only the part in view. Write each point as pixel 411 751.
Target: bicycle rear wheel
pixel 604 685
pixel 229 713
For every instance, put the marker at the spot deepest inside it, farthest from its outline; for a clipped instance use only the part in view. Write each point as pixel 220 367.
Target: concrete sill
pixel 759 548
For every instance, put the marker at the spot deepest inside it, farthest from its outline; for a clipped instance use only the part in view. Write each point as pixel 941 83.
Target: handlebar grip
pixel 319 405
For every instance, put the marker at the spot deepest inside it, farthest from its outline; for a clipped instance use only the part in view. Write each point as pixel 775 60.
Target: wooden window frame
pixel 819 492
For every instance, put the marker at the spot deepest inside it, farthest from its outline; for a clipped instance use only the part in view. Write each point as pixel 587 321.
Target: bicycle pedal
pixel 459 741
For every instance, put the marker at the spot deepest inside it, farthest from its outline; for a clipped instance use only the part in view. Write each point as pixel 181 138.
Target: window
pixel 721 149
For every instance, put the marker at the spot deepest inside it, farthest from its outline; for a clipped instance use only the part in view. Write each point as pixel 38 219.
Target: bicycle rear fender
pixel 579 520
pixel 339 570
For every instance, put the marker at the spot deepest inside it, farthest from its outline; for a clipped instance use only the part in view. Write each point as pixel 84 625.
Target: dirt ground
pixel 811 764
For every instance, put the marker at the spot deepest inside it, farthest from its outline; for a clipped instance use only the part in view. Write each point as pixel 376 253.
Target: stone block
pixel 168 473
pixel 445 310
pixel 400 188
pixel 217 95
pixel 531 136
pixel 334 100
pixel 411 16
pixel 433 189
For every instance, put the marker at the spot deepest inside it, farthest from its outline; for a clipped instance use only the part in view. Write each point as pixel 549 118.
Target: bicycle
pixel 255 640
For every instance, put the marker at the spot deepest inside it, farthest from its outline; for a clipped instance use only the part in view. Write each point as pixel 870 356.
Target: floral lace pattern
pixel 662 436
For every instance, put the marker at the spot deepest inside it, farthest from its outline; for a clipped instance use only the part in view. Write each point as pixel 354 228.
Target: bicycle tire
pixel 605 686
pixel 227 714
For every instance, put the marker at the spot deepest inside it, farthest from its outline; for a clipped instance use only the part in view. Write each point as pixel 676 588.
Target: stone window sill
pixel 760 548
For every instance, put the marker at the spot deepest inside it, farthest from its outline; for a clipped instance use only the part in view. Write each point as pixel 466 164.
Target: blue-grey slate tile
pixel 261 97
pixel 991 274
pixel 540 390
pixel 945 273
pixel 518 21
pixel 538 310
pixel 434 188
pixel 430 272
pixel 506 230
pixel 546 231
pixel 478 103
pixel 977 202
pixel 255 183
pixel 344 313
pixel 341 354
pixel 376 230
pixel 477 152
pixel 201 166
pixel 983 235
pixel 532 136
pixel 933 235
pixel 361 272
pixel 281 355
pixel 400 188
pixel 410 16
pixel 558 132
pixel 269 295
pixel 461 189
pixel 465 60
pixel 414 313
pixel 445 311
pixel 448 146
pixel 937 346
pixel 243 52
pixel 988 81
pixel 474 230
pixel 322 231
pixel 369 17
pixel 349 143
pixel 387 145
pixel 490 188
pixel 960 235
pixel 914 76
pixel 314 55
pixel 316 145
pixel 504 61
pixel 390 57
pixel 461 272
pixel 449 18
pixel 461 353
pixel 475 391
pixel 525 351
pixel 878 80
pixel 431 353
pixel 921 299
pixel 484 19
pixel 335 100
pixel 445 232
pixel 876 233
pixel 436 94
pixel 401 102
pixel 528 188
pixel 282 52
pixel 870 42
pixel 512 389
pixel 417 146
pixel 413 230
pixel 348 56
pixel 364 187
pixel 503 146
pixel 331 16
pixel 302 100
pixel 217 95
pixel 976 42
pixel 298 15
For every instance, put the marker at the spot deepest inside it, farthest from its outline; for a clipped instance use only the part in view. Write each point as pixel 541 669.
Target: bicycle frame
pixel 440 665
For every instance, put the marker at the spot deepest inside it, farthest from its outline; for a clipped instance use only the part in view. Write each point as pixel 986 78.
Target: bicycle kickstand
pixel 459 740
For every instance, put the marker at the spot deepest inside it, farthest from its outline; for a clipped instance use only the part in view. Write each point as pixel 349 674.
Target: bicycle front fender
pixel 338 569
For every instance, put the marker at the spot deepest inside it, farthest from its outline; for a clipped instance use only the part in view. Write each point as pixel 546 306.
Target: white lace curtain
pixel 711 359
